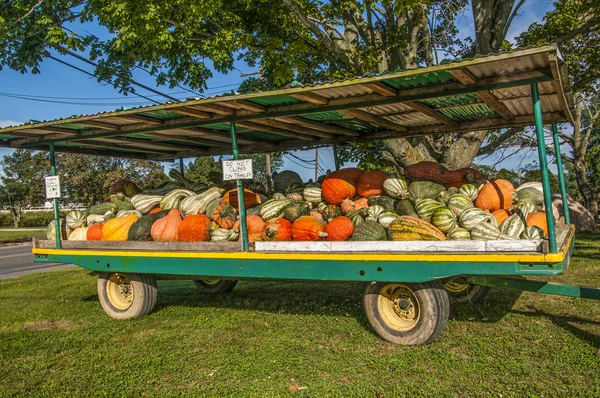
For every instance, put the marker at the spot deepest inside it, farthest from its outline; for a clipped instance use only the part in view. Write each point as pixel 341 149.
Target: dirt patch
pixel 46 325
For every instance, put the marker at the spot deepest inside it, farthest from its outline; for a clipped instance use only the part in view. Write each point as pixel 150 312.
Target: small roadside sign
pixel 237 169
pixel 52 185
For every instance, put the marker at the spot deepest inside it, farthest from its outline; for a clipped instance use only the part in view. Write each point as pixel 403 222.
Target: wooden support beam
pixel 166 137
pixel 132 147
pixel 276 131
pixel 192 112
pixel 90 151
pixel 214 108
pixel 292 127
pixel 311 98
pixel 249 106
pixel 464 76
pixel 142 143
pixel 57 129
pixel 100 125
pixel 494 103
pixel 142 118
pixel 424 109
pixel 313 124
pixel 383 89
pixel 370 118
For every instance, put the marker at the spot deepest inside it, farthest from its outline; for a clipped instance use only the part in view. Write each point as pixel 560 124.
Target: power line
pixel 301 165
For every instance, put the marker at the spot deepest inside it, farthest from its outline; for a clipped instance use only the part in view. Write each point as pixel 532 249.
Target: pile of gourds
pixel 428 202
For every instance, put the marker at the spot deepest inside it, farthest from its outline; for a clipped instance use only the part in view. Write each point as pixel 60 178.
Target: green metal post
pixel 561 174
pixel 181 168
pixel 539 130
pixel 240 189
pixel 58 227
pixel 335 157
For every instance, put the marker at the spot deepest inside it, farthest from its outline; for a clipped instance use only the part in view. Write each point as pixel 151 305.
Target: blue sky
pixel 69 85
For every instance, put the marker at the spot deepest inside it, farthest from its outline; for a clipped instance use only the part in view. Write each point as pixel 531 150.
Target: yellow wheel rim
pixel 456 285
pixel 399 307
pixel 211 281
pixel 119 291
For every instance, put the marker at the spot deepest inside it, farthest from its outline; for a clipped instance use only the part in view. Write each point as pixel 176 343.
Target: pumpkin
pixel 307 228
pixel 500 215
pixel 254 225
pixel 340 185
pixel 194 228
pixel 538 219
pixel 94 232
pixel 349 205
pixel 116 229
pixel 224 215
pixel 122 189
pixel 494 195
pixel 166 228
pixel 141 229
pixel 296 210
pixel 277 229
pixel 155 210
pixel 369 230
pixel 79 234
pixel 371 183
pixel 251 199
pixel 75 219
pixel 339 229
pixel 412 228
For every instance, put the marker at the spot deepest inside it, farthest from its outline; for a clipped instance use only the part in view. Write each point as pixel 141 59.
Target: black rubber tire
pixel 143 296
pixel 220 286
pixel 432 304
pixel 469 294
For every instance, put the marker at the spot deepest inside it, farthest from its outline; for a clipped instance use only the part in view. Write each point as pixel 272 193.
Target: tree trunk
pixel 590 197
pixel 16 216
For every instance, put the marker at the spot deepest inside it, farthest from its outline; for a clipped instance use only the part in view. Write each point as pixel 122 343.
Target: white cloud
pixel 6 123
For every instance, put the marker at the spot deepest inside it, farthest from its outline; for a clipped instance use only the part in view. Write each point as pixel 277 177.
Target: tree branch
pixel 512 16
pixel 499 141
pixel 36 5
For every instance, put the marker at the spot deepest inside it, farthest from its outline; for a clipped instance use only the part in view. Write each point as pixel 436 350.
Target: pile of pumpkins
pixel 427 202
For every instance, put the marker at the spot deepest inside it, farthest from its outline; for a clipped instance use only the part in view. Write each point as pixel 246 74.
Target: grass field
pixel 19 236
pixel 293 339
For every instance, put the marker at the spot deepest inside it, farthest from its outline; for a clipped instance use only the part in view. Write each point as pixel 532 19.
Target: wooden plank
pixel 100 125
pixel 143 118
pixel 57 129
pixel 560 87
pixel 193 113
pixel 133 147
pixel 133 154
pixel 250 106
pixel 368 117
pixel 311 98
pixel 294 128
pixel 144 143
pixel 494 103
pixel 424 109
pixel 383 89
pixel 464 76
pixel 158 137
pixel 318 125
pixel 215 108
pixel 143 246
pixel 470 246
pixel 276 131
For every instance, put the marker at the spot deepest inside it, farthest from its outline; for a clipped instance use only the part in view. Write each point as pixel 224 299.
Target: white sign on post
pixel 237 169
pixel 52 185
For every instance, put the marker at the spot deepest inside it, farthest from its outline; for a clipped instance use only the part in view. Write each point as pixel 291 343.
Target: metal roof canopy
pixel 484 92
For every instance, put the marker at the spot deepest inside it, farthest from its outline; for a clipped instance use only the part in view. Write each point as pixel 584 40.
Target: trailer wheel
pixel 214 286
pixel 460 291
pixel 125 296
pixel 408 314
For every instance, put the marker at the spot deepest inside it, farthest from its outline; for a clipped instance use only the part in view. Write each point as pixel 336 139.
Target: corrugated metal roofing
pixel 490 91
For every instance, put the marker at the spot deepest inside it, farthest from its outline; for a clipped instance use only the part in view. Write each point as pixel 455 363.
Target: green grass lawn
pixel 293 339
pixel 19 236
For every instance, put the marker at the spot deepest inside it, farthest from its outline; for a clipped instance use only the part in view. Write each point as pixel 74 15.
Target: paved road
pixel 17 261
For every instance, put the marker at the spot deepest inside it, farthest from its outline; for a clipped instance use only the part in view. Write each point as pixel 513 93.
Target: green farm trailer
pixel 409 284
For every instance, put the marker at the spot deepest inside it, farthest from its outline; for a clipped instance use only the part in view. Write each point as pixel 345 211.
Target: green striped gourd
pixel 295 210
pixel 395 186
pixel 357 216
pixel 488 231
pixel 144 203
pixel 297 187
pixel 295 196
pixel 125 213
pixel 426 207
pixel 386 217
pixel 459 203
pixel 94 219
pixel 369 230
pixel 532 193
pixel 331 211
pixel 444 218
pixel 174 198
pixel 532 232
pixel 212 205
pixel 448 194
pixel 475 216
pixel 224 235
pixel 524 209
pixel 273 208
pixel 75 219
pixel 513 226
pixel 459 234
pixel 312 193
pixel 196 204
pixel 469 190
pixel 373 212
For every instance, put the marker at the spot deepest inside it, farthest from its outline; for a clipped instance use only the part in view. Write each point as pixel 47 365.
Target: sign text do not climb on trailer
pixel 237 169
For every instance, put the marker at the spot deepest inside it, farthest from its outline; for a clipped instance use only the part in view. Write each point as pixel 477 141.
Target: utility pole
pixel 316 164
pixel 268 165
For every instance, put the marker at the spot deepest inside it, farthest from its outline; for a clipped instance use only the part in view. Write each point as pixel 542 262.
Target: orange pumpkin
pixel 277 229
pixel 307 228
pixel 500 215
pixel 165 229
pixel 194 228
pixel 155 210
pixel 94 232
pixel 370 183
pixel 339 229
pixel 255 226
pixel 250 198
pixel 116 229
pixel 494 195
pixel 349 205
pixel 539 220
pixel 224 215
pixel 340 185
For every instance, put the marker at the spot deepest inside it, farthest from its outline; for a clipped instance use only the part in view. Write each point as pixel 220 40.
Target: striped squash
pixel 386 217
pixel 224 235
pixel 459 203
pixel 174 198
pixel 532 232
pixel 312 193
pixel 524 209
pixel 469 190
pixel 488 231
pixel 357 216
pixel 144 203
pixel 273 208
pixel 459 234
pixel 197 204
pixel 368 230
pixel 75 219
pixel 513 226
pixel 426 207
pixel 475 216
pixel 395 186
pixel 444 218
pixel 412 228
pixel 373 212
